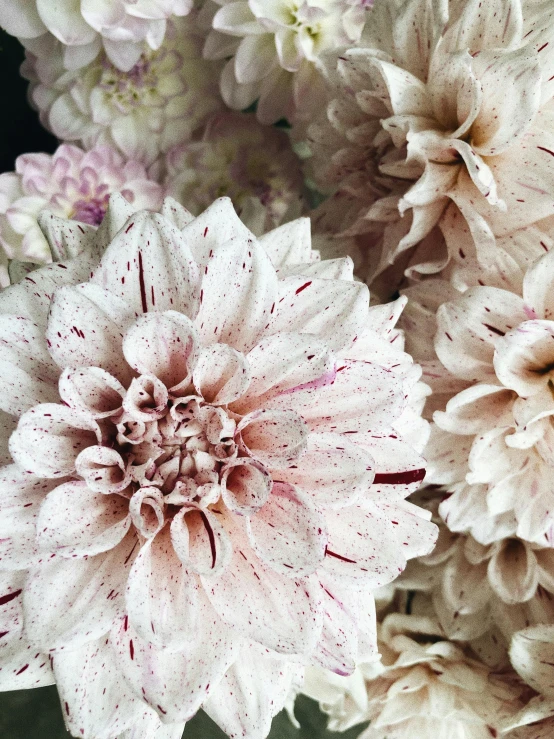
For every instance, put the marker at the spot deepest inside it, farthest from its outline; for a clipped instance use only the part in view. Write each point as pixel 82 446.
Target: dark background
pixel 36 714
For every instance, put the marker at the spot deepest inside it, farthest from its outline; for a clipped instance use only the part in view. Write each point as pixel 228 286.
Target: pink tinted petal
pixel 91 390
pixel 334 310
pixel 27 372
pixel 161 597
pixel 85 328
pixel 175 684
pixel 49 437
pixel 287 534
pixel 333 471
pixel 21 495
pixel 69 602
pixel 150 266
pixel 221 374
pixel 95 698
pixel 281 613
pixel 74 521
pixel 246 485
pixel 21 667
pixel 274 438
pixel 161 344
pixel 146 399
pixel 239 288
pixel 147 511
pixel 253 690
pixel 204 547
pixel 362 397
pixel 102 469
pixel 284 362
pixel 362 550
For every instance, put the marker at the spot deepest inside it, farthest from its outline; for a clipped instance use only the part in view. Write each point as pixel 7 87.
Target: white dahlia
pixel 70 183
pixel 237 157
pixel 120 28
pixel 160 102
pixel 207 481
pixel 444 108
pixel 424 687
pixel 275 49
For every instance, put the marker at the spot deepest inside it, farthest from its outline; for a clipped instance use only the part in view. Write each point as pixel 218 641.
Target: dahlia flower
pixel 275 49
pixel 424 687
pixel 207 481
pixel 144 111
pixel 252 164
pixel 120 27
pixel 443 108
pixel 71 183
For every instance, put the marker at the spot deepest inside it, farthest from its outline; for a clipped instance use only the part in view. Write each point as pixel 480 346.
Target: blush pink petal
pixel 221 374
pixel 92 391
pixel 246 485
pixel 274 438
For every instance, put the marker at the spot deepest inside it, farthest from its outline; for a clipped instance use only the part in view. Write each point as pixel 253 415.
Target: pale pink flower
pixel 421 126
pixel 237 157
pixel 275 49
pixel 424 687
pixel 70 183
pixel 207 479
pixel 85 28
pixel 160 102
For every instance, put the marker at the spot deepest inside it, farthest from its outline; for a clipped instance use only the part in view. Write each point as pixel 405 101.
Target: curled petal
pixel 49 437
pixel 524 357
pixel 532 655
pixel 91 390
pixel 274 438
pixel 221 374
pixel 146 398
pixel 205 548
pixel 103 469
pixel 147 511
pixel 246 485
pixel 161 344
pixel 75 521
pixel 287 534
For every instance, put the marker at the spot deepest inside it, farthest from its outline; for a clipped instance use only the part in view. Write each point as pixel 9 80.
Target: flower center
pixel 129 89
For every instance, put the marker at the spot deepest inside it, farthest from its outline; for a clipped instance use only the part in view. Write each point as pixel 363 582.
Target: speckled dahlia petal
pixel 67 239
pixel 49 437
pixel 333 472
pixel 537 286
pixel 289 244
pixel 521 356
pixel 253 690
pixel 96 525
pixel 336 311
pixel 175 684
pixel 532 655
pixel 95 700
pixel 27 372
pixel 92 391
pixel 85 595
pixel 162 597
pixel 149 265
pixel 338 646
pixel 239 288
pixel 221 374
pixel 73 311
pixel 149 726
pixel 280 613
pixel 274 438
pixel 21 667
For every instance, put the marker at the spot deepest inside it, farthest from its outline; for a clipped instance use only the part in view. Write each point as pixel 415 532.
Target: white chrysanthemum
pixel 207 480
pixel 238 157
pixel 444 108
pixel 424 687
pixel 157 104
pixel 85 28
pixel 70 183
pixel 276 47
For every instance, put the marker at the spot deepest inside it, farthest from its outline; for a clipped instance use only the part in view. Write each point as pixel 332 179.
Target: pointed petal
pixel 289 244
pixel 74 521
pixel 162 344
pixel 333 472
pixel 149 265
pixel 287 534
pixel 334 310
pixel 532 655
pixel 49 437
pixel 118 212
pixel 67 239
pixel 73 601
pixel 176 213
pixel 73 342
pixel 239 288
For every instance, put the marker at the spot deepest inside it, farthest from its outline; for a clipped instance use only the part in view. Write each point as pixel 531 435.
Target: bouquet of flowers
pixel 277 366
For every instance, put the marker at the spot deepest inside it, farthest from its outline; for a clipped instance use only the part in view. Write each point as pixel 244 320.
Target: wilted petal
pixel 74 521
pixel 287 534
pixel 72 601
pixel 162 599
pixel 161 344
pixel 274 438
pixel 49 438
